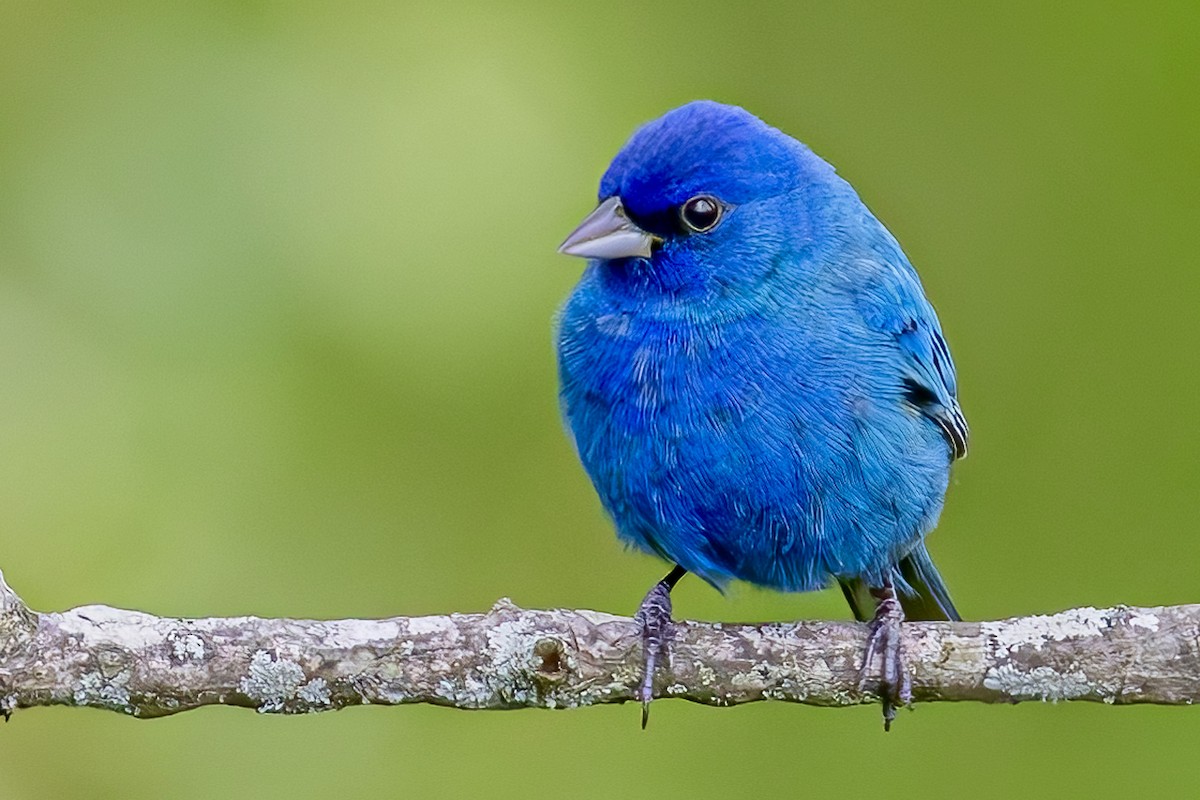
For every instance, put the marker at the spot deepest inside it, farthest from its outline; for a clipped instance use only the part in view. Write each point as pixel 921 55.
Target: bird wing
pixel 893 302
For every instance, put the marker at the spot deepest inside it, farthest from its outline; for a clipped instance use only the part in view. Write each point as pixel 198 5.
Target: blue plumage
pixel 767 398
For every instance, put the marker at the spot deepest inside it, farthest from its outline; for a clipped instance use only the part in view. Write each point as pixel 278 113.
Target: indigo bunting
pixel 755 382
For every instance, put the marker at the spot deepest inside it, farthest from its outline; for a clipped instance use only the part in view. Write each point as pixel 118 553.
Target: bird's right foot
pixel 654 618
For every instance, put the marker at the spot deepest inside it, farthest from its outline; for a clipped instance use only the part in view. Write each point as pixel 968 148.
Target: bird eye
pixel 701 213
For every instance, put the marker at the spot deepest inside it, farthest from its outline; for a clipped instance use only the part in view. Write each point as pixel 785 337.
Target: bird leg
pixel 883 639
pixel 654 617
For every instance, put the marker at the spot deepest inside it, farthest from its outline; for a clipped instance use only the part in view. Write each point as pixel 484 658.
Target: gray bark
pixel 150 666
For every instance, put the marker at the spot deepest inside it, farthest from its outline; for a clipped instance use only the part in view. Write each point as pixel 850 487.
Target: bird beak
pixel 608 233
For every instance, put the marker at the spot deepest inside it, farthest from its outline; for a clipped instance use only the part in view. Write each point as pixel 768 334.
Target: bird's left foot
pixel 654 617
pixel 884 640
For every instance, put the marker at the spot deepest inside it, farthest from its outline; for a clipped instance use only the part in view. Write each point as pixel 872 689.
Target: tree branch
pixel 149 666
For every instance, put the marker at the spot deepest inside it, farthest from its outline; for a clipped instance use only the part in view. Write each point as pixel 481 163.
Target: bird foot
pixel 893 683
pixel 654 617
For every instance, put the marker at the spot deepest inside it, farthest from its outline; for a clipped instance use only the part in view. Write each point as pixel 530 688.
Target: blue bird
pixel 755 382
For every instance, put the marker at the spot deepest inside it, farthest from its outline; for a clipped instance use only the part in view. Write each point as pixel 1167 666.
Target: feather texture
pixel 771 400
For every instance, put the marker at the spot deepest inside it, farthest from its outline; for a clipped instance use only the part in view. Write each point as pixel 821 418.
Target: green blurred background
pixel 276 282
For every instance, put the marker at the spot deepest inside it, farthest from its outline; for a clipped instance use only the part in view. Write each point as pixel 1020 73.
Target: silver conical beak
pixel 608 233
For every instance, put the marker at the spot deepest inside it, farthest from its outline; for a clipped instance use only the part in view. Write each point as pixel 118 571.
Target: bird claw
pixel 654 618
pixel 893 683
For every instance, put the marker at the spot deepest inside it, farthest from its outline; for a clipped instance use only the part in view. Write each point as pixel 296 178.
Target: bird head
pixel 699 202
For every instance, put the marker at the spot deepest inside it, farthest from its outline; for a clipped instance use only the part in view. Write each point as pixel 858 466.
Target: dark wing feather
pixel 892 302
pixel 931 386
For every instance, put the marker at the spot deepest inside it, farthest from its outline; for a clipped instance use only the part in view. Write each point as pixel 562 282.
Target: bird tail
pixel 923 593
